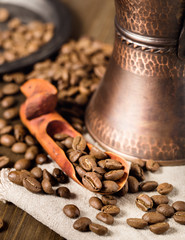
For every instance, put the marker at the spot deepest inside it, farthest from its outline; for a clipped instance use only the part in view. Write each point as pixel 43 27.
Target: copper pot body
pixel 139 107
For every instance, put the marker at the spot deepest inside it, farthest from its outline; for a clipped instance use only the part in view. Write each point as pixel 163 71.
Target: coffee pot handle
pixel 181 45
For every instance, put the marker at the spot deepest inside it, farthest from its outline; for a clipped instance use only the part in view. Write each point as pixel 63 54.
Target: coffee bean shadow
pixel 170 231
pixel 174 192
pixel 5 227
pixel 72 195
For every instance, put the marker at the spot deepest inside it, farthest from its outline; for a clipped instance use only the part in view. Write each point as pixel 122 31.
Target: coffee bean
pixel 159 228
pixel 74 155
pixel 109 187
pixel 99 170
pixel 79 143
pixel 68 142
pixel 59 175
pixel 96 203
pixel 148 186
pixel 140 162
pixel 166 210
pixel 48 176
pixel 31 152
pixel 11 113
pixel 110 164
pixel 92 182
pixel 111 209
pixel 133 184
pixel 144 202
pixel 80 171
pixel 179 206
pixel 105 217
pixel 137 172
pixel 30 140
pixel 114 175
pixel 8 102
pixel 137 223
pixel 4 161
pixel 82 224
pixel 19 147
pixel 6 130
pixel 97 153
pixel 3 123
pixel 37 172
pixel 19 132
pixel 87 162
pixel 109 200
pixel 25 173
pixel 63 192
pixel 160 199
pixel 7 140
pixel 15 177
pixel 164 188
pixel 98 229
pixel 60 136
pixel 153 217
pixel 152 165
pixel 10 89
pixel 4 15
pixel 22 164
pixel 123 191
pixel 46 186
pixel 41 158
pixel 179 217
pixel 32 185
pixel 71 211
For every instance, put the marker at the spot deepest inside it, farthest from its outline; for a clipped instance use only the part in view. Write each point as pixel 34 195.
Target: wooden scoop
pixel 39 116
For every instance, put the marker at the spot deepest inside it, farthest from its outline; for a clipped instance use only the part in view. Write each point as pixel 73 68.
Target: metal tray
pixel 43 10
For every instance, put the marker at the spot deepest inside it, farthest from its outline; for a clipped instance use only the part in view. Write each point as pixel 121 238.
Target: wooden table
pixel 92 18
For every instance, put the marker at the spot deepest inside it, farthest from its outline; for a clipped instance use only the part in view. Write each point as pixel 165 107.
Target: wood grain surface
pixel 93 18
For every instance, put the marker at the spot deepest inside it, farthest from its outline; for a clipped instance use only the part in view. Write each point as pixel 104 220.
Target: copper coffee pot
pixel 139 107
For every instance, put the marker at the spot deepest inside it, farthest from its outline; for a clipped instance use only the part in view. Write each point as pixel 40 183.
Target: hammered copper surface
pixel 138 109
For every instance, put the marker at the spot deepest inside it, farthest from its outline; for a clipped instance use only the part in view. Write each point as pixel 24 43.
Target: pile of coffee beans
pixel 21 39
pixel 94 168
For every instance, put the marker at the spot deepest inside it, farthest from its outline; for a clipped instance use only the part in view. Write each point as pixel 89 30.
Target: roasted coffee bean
pixel 46 186
pixel 19 132
pixel 97 153
pixel 19 147
pixel 68 142
pixel 4 161
pixel 111 209
pixel 140 162
pixel 63 192
pixel 6 130
pixel 79 143
pixel 144 202
pixel 11 113
pixel 160 199
pixel 137 172
pixel 148 186
pixel 10 89
pixel 25 173
pixel 137 223
pixel 98 229
pixel 164 188
pixel 105 217
pixel 60 136
pixel 133 184
pixel 109 186
pixel 152 165
pixel 41 158
pixel 179 217
pixel 110 164
pixel 22 164
pixel 159 228
pixel 59 175
pixel 99 170
pixel 32 185
pixel 114 175
pixel 8 102
pixel 82 224
pixel 15 177
pixel 123 191
pixel 71 211
pixel 109 200
pixel 166 210
pixel 30 140
pixel 96 203
pixel 92 182
pixel 80 171
pixel 48 176
pixel 37 172
pixel 31 152
pixel 153 217
pixel 87 162
pixel 179 206
pixel 74 155
pixel 4 15
pixel 3 123
pixel 7 140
